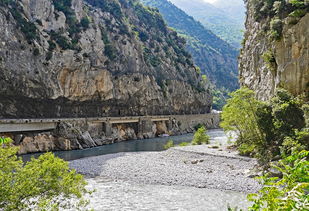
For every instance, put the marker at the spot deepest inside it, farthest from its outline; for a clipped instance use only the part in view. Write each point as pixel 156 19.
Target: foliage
pixel 198 126
pixel 199 40
pixel 289 192
pixel 61 40
pixel 275 11
pixel 111 6
pixel 219 98
pixel 45 183
pixel 183 144
pixel 110 51
pixel 239 114
pixel 276 27
pixel 169 144
pixel 270 60
pixel 246 149
pixel 36 52
pixel 266 130
pixel 5 140
pixel 200 137
pixel 27 27
pixel 84 22
pixel 281 119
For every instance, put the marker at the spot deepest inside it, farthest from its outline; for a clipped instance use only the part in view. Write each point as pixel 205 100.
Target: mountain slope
pixel 220 18
pixel 74 58
pixel 276 48
pixel 215 57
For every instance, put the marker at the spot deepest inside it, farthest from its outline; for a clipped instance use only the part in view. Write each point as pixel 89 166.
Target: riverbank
pixel 181 178
pixel 192 166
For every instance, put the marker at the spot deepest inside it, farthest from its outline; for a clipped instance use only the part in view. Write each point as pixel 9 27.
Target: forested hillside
pixel 224 17
pixel 214 56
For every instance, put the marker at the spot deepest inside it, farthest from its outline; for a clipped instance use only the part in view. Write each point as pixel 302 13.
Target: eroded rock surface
pixel 267 63
pixel 94 58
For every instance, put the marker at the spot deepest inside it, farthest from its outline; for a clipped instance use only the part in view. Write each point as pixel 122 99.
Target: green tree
pixel 200 137
pixel 239 114
pixel 45 183
pixel 281 121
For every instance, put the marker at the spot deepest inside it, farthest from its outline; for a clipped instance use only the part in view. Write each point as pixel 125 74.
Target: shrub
pixel 5 140
pixel 200 137
pixel 270 60
pixel 46 183
pixel 36 52
pixel 169 144
pixel 246 149
pixel 183 144
pixel 49 55
pixel 28 28
pixel 289 192
pixel 276 27
pixel 198 126
pixel 84 22
pixel 110 51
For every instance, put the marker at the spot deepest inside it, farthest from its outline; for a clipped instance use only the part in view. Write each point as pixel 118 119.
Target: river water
pixel 153 144
pixel 113 194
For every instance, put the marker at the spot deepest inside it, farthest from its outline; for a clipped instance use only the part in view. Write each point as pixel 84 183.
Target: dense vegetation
pixel 269 130
pixel 216 58
pixel 224 18
pixel 45 183
pixel 290 192
pixel 272 131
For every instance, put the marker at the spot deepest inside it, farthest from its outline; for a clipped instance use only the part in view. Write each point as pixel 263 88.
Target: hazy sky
pixel 210 1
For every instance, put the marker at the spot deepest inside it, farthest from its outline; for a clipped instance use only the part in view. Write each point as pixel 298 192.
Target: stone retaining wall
pixel 82 133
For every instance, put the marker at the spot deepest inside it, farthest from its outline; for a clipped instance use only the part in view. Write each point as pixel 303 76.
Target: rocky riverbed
pixel 181 178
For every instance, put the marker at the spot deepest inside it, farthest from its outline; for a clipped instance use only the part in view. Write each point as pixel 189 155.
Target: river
pixel 151 184
pixel 153 144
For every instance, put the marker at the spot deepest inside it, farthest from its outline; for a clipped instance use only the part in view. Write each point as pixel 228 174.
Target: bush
pixel 282 117
pixel 110 51
pixel 246 149
pixel 198 126
pixel 270 60
pixel 36 52
pixel 169 144
pixel 183 144
pixel 4 140
pixel 276 27
pixel 289 192
pixel 46 183
pixel 84 22
pixel 200 137
pixel 266 130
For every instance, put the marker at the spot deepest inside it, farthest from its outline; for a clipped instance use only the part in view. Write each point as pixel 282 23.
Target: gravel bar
pixel 191 166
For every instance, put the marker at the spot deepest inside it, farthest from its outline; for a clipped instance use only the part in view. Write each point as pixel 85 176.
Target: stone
pixel 291 55
pixel 86 82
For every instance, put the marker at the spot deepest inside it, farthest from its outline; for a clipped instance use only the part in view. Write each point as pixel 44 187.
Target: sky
pixel 210 1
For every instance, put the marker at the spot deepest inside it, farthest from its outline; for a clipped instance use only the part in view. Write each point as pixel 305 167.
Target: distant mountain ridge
pixel 224 17
pixel 214 56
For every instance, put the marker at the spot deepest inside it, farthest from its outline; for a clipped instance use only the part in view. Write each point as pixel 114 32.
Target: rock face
pixel 276 48
pixel 74 58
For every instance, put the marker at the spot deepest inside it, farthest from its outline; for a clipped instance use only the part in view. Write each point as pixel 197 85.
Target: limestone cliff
pixel 276 47
pixel 75 58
